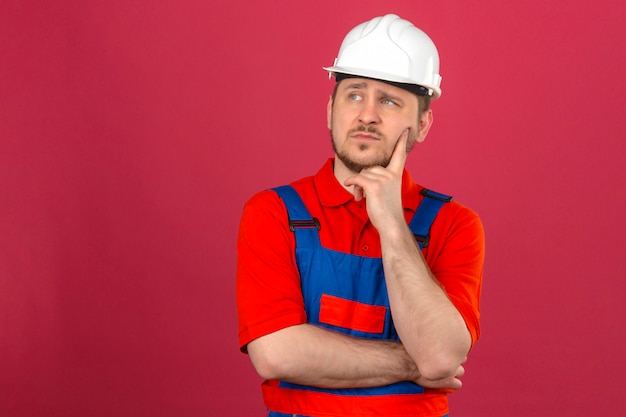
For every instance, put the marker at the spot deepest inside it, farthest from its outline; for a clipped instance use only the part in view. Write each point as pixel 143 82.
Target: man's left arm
pixel 430 327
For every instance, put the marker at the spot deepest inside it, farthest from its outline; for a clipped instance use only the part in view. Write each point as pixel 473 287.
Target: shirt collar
pixel 332 194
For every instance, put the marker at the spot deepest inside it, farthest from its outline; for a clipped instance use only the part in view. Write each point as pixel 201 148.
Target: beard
pixel 356 164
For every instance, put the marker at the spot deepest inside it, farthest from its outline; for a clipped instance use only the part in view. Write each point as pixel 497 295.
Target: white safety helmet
pixel 389 48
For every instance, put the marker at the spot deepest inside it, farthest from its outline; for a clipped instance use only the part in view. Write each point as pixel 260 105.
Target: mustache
pixel 367 129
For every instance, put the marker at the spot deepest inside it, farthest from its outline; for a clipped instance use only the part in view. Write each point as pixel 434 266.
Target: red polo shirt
pixel 269 297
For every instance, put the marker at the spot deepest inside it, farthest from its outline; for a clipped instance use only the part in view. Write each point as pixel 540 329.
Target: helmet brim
pixel 378 75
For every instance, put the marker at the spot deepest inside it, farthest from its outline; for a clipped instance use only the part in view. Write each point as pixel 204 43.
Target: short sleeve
pixel 456 257
pixel 268 291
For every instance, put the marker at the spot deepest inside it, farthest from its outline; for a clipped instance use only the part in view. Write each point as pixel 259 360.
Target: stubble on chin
pixel 354 165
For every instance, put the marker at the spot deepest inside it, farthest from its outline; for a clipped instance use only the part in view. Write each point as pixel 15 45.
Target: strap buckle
pixel 422 241
pixel 304 224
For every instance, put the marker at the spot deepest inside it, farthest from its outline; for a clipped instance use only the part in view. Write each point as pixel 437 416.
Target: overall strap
pixel 301 222
pixel 425 215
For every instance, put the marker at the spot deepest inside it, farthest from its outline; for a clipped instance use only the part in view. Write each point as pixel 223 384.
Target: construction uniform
pixel 309 254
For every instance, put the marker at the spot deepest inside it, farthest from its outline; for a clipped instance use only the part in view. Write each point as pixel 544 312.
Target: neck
pixel 342 173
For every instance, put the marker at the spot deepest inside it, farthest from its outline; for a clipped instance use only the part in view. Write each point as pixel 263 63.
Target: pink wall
pixel 133 132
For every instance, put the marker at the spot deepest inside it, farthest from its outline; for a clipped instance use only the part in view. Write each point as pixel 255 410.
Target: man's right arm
pixel 309 355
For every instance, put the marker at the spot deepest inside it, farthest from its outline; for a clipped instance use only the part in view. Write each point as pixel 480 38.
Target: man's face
pixel 366 119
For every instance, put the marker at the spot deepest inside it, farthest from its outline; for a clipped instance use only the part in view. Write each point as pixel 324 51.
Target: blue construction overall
pixel 347 293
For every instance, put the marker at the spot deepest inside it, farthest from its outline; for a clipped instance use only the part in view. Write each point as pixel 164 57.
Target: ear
pixel 425 122
pixel 329 111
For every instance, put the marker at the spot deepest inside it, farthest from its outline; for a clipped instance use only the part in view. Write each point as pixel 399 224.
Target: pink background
pixel 132 132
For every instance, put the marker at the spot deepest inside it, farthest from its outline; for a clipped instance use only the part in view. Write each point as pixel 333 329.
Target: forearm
pixel 309 355
pixel 429 325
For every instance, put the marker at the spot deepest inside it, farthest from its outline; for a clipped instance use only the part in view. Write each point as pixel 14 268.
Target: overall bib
pixel 347 293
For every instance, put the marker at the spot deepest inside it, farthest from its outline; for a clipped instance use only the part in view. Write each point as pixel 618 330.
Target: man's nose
pixel 369 113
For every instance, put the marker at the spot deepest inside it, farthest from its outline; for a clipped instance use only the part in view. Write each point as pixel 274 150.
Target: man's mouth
pixel 364 136
pixel 365 133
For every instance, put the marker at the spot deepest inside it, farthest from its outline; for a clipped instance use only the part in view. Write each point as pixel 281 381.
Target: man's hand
pixel 382 187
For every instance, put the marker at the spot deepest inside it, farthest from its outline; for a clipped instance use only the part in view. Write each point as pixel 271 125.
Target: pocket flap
pixel 352 314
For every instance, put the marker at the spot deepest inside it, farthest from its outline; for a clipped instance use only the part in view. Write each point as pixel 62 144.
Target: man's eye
pixel 355 97
pixel 389 102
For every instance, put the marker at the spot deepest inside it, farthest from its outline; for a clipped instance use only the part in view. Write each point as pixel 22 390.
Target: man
pixel 339 309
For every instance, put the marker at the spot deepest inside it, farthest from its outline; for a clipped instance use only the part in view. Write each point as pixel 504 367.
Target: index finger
pixel 398 157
